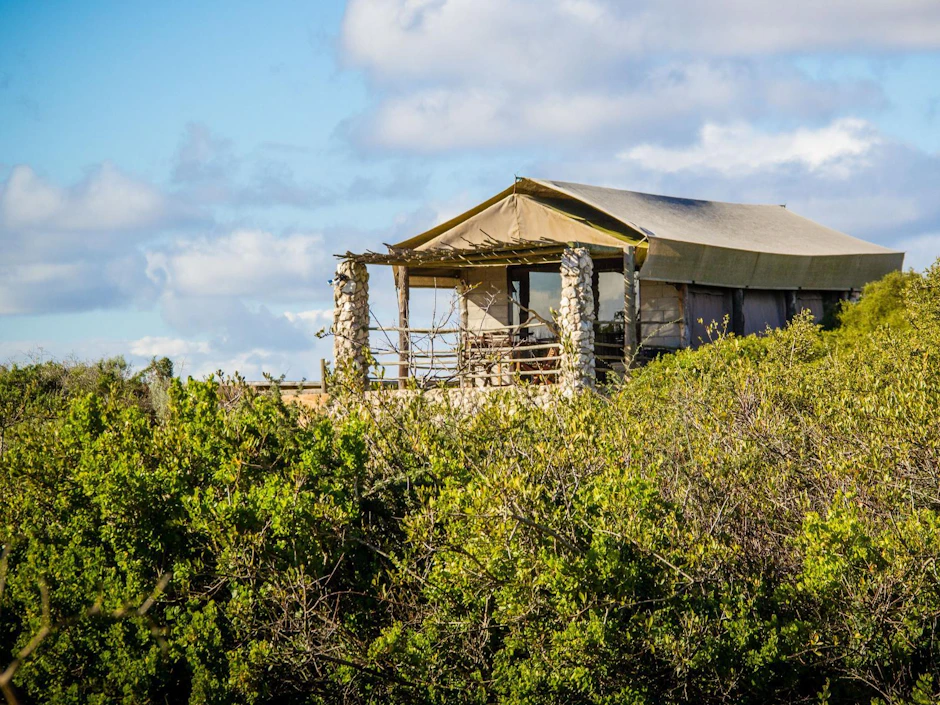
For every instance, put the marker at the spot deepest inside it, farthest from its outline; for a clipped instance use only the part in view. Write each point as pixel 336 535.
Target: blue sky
pixel 175 177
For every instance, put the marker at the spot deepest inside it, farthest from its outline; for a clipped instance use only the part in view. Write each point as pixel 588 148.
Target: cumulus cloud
pixel 74 248
pixel 241 263
pixel 231 325
pixel 201 358
pixel 528 40
pixel 163 346
pixel 312 321
pixel 664 101
pixel 106 200
pixel 221 288
pixel 455 74
pixel 739 148
pixel 111 240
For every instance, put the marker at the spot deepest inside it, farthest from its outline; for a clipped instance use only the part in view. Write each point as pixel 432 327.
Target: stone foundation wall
pixel 661 322
pixel 576 321
pixel 351 324
pixel 468 401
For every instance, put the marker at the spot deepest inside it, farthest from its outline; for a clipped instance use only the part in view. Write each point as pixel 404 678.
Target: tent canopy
pixel 679 240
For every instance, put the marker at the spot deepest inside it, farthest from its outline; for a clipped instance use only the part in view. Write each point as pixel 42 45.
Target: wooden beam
pixel 629 304
pixel 790 299
pixel 404 337
pixel 535 251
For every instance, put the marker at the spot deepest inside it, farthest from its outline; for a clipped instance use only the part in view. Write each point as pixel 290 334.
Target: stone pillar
pixel 576 320
pixel 629 305
pixel 351 324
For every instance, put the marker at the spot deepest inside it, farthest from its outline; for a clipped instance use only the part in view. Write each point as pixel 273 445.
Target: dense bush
pixel 756 521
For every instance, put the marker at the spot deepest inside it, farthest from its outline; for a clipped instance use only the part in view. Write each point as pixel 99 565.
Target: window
pixel 538 290
pixel 610 297
pixel 544 293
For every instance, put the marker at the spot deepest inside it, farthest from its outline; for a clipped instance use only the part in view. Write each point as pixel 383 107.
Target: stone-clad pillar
pixel 576 320
pixel 351 324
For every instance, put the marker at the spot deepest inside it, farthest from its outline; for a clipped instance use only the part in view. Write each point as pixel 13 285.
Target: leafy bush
pixel 882 306
pixel 755 521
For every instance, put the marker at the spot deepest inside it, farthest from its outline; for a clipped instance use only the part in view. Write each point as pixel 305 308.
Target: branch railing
pixel 494 356
pixel 455 356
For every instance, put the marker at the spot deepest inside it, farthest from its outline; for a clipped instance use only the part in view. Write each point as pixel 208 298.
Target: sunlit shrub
pixel 755 521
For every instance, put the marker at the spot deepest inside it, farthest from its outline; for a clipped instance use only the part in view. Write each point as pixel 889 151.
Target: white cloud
pixel 80 285
pixel 158 346
pixel 242 263
pixel 742 149
pixel 106 200
pixel 311 321
pixel 556 40
pixel 455 74
pixel 71 248
pixel 253 363
pixel 665 100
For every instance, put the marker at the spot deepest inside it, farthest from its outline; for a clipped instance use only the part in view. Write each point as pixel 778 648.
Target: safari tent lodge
pixel 563 283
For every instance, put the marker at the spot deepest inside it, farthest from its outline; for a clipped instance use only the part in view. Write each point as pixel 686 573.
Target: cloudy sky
pixel 175 177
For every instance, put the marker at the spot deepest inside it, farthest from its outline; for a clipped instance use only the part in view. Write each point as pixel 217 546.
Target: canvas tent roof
pixel 688 241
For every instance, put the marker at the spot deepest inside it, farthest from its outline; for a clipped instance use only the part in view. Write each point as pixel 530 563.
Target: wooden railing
pixel 496 356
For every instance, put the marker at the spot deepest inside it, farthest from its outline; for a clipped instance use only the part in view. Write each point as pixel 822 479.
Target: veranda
pixel 540 312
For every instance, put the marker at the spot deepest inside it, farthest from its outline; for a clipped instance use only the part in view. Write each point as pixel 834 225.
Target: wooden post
pixel 404 337
pixel 629 305
pixel 790 299
pixel 737 311
pixel 463 337
pixel 686 299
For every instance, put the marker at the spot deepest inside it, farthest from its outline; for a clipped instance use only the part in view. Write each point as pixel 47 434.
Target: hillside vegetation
pixel 757 521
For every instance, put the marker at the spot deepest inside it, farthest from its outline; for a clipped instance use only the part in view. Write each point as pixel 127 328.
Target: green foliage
pixel 756 521
pixel 882 306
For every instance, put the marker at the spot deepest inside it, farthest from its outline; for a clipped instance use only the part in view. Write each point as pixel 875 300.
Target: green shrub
pixel 756 521
pixel 882 305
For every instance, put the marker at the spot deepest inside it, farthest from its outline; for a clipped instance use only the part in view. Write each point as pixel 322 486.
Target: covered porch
pixel 542 312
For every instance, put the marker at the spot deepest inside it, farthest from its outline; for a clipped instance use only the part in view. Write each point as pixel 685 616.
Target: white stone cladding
pixel 468 401
pixel 661 321
pixel 351 324
pixel 576 320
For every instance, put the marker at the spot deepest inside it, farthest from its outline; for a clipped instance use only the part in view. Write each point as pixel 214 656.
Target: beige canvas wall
pixel 661 324
pixel 811 301
pixel 487 298
pixel 708 307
